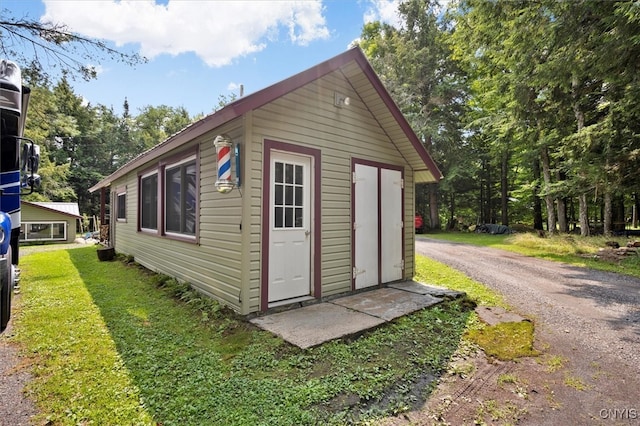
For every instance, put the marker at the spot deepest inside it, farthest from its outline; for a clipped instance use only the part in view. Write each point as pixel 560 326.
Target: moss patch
pixel 505 341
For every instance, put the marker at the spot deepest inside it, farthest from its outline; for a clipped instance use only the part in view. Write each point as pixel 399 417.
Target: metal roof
pixel 70 209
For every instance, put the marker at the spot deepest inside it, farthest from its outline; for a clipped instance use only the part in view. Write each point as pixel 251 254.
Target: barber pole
pixel 223 149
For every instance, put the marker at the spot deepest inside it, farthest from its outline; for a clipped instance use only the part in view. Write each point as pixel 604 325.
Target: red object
pixel 419 223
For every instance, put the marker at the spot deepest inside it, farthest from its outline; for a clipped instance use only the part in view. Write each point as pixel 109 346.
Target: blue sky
pixel 201 49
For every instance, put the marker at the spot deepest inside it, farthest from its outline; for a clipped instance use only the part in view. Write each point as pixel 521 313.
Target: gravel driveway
pixel 591 319
pixel 15 408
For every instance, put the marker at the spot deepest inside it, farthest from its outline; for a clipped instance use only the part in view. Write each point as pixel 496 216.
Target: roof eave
pixel 398 116
pixel 269 94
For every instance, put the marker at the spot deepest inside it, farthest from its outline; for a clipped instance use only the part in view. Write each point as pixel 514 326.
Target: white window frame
pixel 24 235
pixel 118 195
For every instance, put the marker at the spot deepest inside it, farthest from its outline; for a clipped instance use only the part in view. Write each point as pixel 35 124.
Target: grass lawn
pixel 111 343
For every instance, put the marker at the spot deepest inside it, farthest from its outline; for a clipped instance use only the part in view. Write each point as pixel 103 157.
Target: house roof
pixel 69 209
pixel 356 68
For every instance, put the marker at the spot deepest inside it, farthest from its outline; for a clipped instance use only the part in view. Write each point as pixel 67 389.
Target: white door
pixel 366 226
pixel 391 212
pixel 378 243
pixel 290 227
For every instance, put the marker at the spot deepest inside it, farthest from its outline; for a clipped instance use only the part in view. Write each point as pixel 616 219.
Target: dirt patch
pixel 16 408
pixel 530 391
pixel 479 390
pixel 587 329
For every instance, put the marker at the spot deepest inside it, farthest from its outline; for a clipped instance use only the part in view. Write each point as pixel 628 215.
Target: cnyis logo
pixel 619 413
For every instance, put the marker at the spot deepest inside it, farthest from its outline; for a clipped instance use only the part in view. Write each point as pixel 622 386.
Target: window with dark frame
pixel 149 202
pixel 122 206
pixel 180 198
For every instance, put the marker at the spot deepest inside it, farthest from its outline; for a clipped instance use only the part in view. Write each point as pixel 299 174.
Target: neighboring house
pixel 325 166
pixel 49 222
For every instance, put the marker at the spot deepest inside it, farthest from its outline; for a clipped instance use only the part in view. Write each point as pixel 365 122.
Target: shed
pixel 323 167
pixel 51 221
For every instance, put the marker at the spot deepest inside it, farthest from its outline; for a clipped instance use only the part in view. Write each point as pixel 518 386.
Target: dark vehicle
pixel 17 172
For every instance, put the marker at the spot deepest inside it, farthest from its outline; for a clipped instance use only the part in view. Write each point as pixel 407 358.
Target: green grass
pixel 111 343
pixel 429 271
pixel 571 249
pixel 78 371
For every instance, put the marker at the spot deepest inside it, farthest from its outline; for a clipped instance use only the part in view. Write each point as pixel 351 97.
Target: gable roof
pixel 356 68
pixel 68 209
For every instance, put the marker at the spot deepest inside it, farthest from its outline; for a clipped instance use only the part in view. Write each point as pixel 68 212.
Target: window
pixel 43 231
pixel 169 196
pixel 289 200
pixel 121 204
pixel 180 197
pixel 149 201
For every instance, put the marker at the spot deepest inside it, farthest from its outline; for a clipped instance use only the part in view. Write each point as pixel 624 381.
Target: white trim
pixel 52 222
pixel 146 175
pixel 118 194
pixel 179 162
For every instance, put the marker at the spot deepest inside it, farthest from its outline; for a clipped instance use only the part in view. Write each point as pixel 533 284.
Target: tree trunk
pixel 452 211
pixel 582 198
pixel 562 215
pixel 618 214
pixel 584 215
pixel 504 188
pixel 608 209
pixel 537 204
pixel 561 207
pixel 482 198
pixel 546 173
pixel 572 214
pixel 488 206
pixel 635 210
pixel 434 218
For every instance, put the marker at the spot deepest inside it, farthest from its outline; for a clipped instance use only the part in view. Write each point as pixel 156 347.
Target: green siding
pixel 307 117
pixel 226 264
pixel 213 266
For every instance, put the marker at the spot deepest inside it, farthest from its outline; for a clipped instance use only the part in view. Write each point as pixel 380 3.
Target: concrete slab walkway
pixel 351 315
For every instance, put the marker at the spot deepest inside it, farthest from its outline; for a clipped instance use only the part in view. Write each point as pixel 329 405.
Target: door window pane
pixel 288 195
pixel 288 173
pixel 298 178
pixel 288 189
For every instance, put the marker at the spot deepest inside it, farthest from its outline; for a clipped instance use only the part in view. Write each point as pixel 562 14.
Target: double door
pixel 378 226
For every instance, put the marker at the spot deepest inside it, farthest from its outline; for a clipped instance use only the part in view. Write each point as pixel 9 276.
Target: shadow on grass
pixel 193 366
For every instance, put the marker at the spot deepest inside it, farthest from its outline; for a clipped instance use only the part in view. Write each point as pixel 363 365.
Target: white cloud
pixel 99 69
pixel 385 11
pixel 216 31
